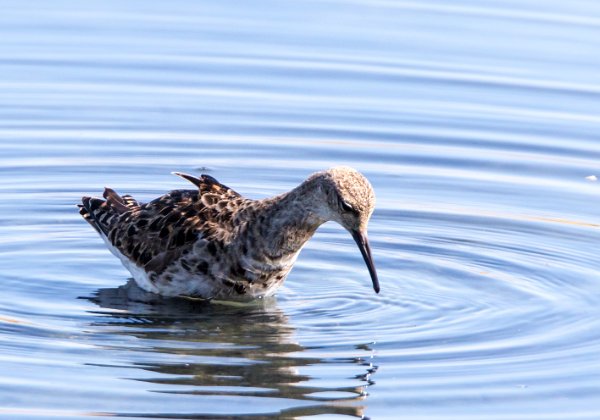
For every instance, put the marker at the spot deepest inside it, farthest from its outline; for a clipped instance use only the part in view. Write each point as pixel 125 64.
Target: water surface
pixel 476 122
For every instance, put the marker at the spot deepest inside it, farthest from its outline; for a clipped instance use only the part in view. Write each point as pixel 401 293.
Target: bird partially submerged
pixel 211 242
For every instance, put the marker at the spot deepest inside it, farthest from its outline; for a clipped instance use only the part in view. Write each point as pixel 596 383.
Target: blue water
pixel 476 122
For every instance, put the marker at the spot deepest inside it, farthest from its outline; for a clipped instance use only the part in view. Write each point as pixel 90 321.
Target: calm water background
pixel 477 123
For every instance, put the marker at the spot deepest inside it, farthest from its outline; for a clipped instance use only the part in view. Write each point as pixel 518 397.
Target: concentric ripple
pixel 476 124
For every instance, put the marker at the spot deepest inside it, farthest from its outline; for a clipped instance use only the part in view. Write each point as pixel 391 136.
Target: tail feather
pixel 87 216
pixel 100 213
pixel 114 200
pixel 94 211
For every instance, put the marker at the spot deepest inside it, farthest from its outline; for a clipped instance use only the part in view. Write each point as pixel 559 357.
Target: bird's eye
pixel 346 206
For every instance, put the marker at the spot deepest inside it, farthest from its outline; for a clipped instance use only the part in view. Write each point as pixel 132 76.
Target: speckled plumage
pixel 211 242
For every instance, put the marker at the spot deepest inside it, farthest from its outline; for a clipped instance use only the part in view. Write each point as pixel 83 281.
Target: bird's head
pixel 350 201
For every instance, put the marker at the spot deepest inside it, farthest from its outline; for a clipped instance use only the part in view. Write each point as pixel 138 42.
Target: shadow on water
pixel 230 350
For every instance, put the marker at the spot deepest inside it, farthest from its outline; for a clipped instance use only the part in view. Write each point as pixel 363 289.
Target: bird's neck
pixel 286 222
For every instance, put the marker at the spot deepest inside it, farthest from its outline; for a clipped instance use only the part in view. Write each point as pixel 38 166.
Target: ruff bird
pixel 212 243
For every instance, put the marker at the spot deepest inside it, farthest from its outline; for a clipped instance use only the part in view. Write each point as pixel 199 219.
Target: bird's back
pixel 155 234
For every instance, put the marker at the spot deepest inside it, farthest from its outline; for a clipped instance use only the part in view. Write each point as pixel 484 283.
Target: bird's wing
pixel 155 234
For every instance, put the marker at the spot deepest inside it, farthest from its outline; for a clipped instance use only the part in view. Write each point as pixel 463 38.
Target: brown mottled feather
pixel 114 200
pixel 155 234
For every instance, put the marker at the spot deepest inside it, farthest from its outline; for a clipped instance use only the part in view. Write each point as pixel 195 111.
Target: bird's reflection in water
pixel 245 350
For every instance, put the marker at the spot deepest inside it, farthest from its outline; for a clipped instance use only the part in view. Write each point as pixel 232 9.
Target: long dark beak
pixel 363 244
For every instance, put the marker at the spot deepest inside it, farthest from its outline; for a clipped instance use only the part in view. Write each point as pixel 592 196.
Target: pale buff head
pixel 349 199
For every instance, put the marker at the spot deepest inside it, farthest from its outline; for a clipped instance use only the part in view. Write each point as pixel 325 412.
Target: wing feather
pixel 154 235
